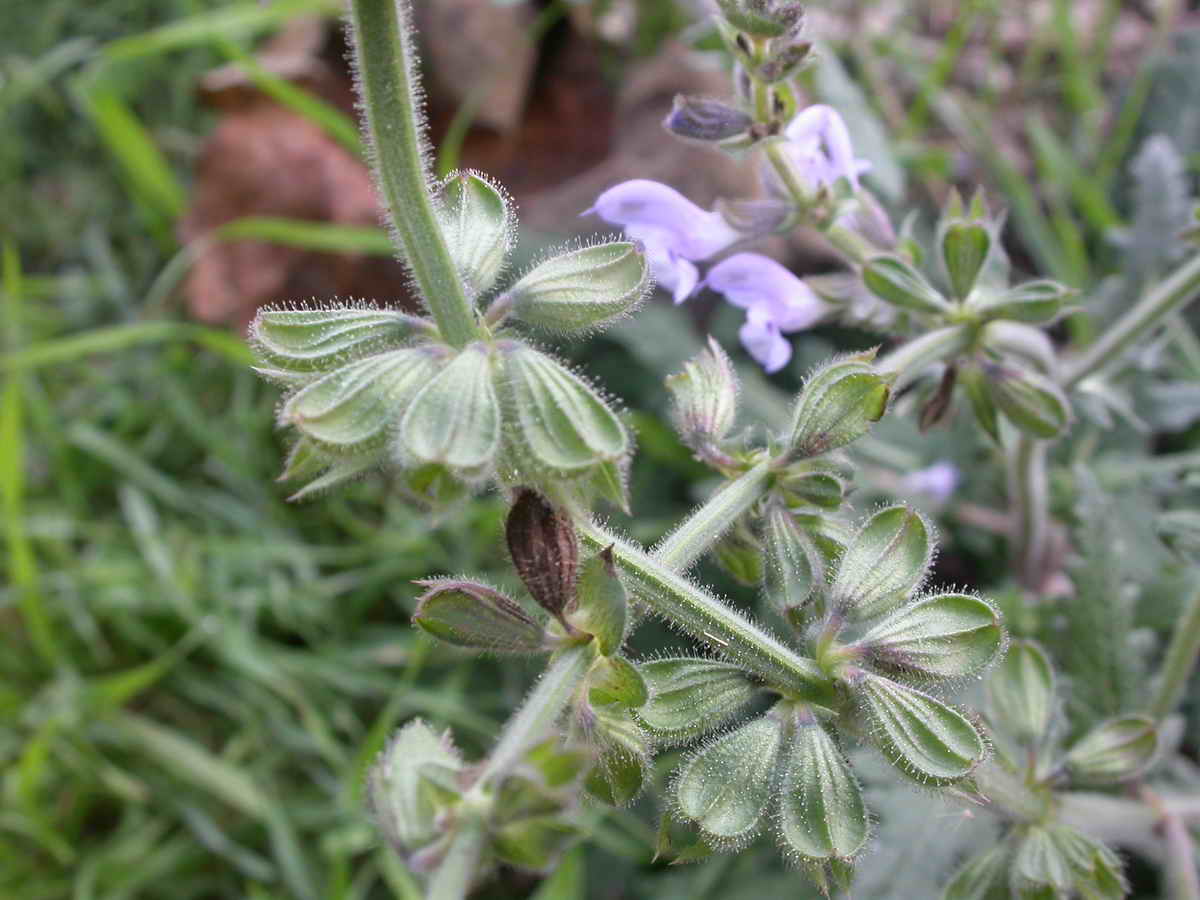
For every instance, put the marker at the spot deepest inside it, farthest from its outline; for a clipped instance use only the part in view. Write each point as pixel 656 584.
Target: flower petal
pixel 762 340
pixel 691 232
pixel 754 281
pixel 821 146
pixel 937 481
pixel 671 272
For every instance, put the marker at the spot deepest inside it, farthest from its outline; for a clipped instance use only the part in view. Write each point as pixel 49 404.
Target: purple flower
pixel 775 300
pixel 673 229
pixel 819 143
pixel 937 481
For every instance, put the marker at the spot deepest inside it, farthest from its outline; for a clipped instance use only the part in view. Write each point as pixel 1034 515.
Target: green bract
pixel 839 403
pixel 885 562
pixel 691 697
pixel 896 281
pixel 583 290
pixel 474 615
pixel 307 341
pixel 479 226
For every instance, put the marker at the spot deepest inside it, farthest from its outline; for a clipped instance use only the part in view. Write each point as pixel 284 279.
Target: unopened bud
pixel 965 247
pixel 479 225
pixel 1114 751
pixel 1021 693
pixel 763 18
pixel 544 550
pixel 787 63
pixel 405 803
pixel 317 340
pixel 455 419
pixel 704 398
pixel 725 788
pixel 838 404
pixel 705 119
pixel 822 815
pixel 892 279
pixel 692 697
pixel 583 290
pixel 473 615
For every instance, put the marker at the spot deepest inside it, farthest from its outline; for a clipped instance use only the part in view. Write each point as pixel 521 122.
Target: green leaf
pixel 884 564
pixel 965 247
pixel 1039 302
pixel 601 604
pixel 691 697
pixel 944 636
pixel 918 734
pixel 467 614
pixel 726 786
pixel 892 279
pixel 614 679
pixel 822 815
pixel 583 290
pixel 479 225
pixel 455 419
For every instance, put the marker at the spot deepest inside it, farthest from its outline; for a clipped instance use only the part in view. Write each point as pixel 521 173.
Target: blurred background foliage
pixel 195 672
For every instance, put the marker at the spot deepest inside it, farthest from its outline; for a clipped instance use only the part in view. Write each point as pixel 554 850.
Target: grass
pixel 195 674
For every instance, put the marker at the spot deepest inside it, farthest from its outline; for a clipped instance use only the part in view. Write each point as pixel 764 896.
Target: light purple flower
pixel 937 481
pixel 819 143
pixel 673 229
pixel 775 300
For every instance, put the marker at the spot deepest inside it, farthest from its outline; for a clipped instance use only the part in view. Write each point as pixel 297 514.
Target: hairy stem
pixel 1169 295
pixel 696 535
pixel 709 620
pixel 541 709
pixel 453 877
pixel 1180 660
pixel 908 360
pixel 1032 508
pixel 388 88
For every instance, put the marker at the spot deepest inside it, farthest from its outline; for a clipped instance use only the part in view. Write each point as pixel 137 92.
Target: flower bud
pixel 473 615
pixel 965 247
pixel 317 340
pixel 704 398
pixel 792 568
pixel 613 679
pixel 922 737
pixel 1021 693
pixel 944 636
pixel 756 217
pixel 838 404
pixel 479 225
pixel 1114 751
pixel 892 279
pixel 884 564
pixel 560 424
pixel 405 802
pixel 583 290
pixel 704 119
pixel 786 63
pixel 1038 302
pixel 354 408
pixel 624 756
pixel 725 788
pixel 692 697
pixel 544 550
pixel 1004 337
pixel 1030 401
pixel 1058 860
pixel 455 419
pixel 822 815
pixel 763 18
pixel 601 606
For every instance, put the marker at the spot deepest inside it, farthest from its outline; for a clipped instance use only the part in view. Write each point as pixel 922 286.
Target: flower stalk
pixel 386 63
pixel 1180 660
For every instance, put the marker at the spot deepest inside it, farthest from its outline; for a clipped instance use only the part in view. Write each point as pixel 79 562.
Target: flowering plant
pixel 854 647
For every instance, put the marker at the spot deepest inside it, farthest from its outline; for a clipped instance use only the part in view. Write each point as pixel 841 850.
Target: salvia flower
pixel 819 143
pixel 775 300
pixel 675 232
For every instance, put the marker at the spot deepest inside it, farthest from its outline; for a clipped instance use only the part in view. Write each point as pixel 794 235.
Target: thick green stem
pixel 1165 298
pixel 696 535
pixel 387 83
pixel 908 360
pixel 710 621
pixel 454 876
pixel 541 709
pixel 1181 659
pixel 1031 497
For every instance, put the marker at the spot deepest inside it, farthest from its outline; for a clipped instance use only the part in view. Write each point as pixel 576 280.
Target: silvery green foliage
pixel 1037 855
pixel 372 387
